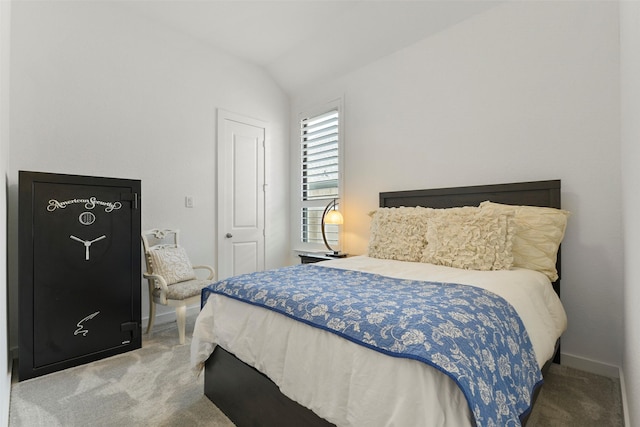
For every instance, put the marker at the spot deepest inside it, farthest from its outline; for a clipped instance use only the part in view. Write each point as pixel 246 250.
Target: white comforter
pixel 350 385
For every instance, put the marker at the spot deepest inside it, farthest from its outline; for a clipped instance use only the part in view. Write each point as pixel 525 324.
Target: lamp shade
pixel 333 217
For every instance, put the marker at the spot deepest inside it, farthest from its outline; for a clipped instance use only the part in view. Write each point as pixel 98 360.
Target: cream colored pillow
pixel 538 233
pixel 398 233
pixel 172 264
pixel 469 239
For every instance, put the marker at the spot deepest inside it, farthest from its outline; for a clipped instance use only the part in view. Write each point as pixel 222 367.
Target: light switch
pixel 188 201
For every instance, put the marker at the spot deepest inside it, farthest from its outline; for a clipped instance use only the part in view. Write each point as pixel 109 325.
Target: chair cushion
pixel 184 290
pixel 172 264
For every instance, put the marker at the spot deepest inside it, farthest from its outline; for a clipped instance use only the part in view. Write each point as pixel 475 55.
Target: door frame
pixel 221 213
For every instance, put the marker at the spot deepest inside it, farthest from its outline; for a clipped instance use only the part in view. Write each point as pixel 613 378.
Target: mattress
pixel 351 385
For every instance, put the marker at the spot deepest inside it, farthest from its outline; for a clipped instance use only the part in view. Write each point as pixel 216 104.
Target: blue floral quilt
pixel 472 335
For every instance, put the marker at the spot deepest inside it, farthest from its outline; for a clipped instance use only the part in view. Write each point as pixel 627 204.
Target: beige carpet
pixel 153 386
pixel 575 398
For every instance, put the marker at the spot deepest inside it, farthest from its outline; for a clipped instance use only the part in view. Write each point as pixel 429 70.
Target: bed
pixel 262 368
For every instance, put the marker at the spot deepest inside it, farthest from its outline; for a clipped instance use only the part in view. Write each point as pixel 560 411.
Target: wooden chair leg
pixel 152 315
pixel 181 315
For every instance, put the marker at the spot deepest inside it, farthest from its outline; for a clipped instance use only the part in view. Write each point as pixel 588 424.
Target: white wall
pixel 5 360
pixel 630 90
pixel 525 91
pixel 98 90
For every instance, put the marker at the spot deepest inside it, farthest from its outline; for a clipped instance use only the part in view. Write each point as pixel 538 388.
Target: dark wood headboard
pixel 537 193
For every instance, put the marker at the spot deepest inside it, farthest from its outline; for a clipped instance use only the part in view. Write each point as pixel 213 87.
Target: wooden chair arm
pixel 159 279
pixel 212 272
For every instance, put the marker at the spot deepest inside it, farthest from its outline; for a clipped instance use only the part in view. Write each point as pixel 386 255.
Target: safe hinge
pixel 130 197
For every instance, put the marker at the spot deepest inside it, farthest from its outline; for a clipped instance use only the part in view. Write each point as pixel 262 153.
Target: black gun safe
pixel 79 270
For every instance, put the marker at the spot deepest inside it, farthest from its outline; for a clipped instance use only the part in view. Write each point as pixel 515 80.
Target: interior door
pixel 241 194
pixel 80 289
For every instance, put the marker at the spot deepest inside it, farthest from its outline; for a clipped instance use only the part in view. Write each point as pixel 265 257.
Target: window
pixel 320 173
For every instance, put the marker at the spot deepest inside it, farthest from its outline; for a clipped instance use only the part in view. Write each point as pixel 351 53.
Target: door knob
pixel 228 235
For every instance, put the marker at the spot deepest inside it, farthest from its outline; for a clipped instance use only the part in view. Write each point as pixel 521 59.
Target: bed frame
pixel 249 398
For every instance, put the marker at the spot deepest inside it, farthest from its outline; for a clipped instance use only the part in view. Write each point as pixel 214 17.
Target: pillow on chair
pixel 172 264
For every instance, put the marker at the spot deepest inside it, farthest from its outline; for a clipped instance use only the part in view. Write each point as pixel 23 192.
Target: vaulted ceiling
pixel 307 41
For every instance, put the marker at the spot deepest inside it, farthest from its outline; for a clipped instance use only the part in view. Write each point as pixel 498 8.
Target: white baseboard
pixel 4 411
pixel 592 366
pixel 623 392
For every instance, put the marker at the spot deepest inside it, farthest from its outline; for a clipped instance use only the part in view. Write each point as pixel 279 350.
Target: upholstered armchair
pixel 172 279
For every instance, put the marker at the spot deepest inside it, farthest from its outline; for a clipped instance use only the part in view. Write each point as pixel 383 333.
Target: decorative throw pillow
pixel 398 233
pixel 469 239
pixel 172 264
pixel 538 233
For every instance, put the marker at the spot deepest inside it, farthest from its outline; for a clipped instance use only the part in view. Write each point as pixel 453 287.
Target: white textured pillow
pixel 538 233
pixel 172 264
pixel 469 239
pixel 398 233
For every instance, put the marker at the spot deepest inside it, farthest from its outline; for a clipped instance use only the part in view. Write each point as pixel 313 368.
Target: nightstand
pixel 311 257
